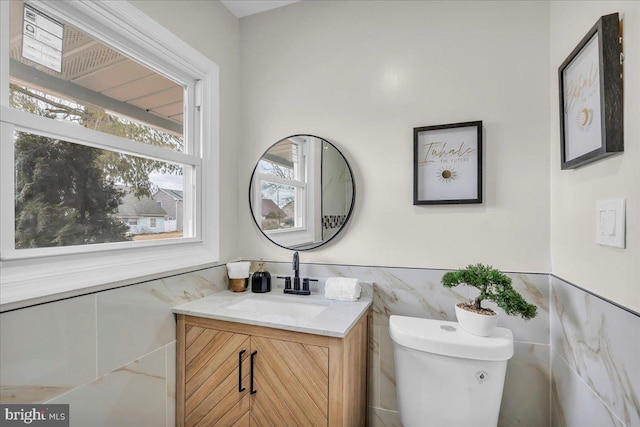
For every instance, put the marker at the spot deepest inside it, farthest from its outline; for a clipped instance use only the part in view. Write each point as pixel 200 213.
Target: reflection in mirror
pixel 301 192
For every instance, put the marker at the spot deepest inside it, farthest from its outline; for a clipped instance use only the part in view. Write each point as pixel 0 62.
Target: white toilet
pixel 446 377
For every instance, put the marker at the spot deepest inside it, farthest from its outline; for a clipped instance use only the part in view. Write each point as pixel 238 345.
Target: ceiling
pixel 242 8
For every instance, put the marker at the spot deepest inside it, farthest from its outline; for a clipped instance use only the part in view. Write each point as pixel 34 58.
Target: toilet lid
pixel 448 339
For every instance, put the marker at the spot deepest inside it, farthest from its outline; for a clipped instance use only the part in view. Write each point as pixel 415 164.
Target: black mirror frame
pixel 351 208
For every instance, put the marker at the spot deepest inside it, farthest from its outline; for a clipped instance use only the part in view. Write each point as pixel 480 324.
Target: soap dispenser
pixel 261 280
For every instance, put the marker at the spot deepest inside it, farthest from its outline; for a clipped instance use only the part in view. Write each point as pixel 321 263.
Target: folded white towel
pixel 238 270
pixel 342 288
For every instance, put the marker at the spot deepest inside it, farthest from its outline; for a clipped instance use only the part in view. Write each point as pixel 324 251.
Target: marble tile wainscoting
pixel 575 365
pixel 595 358
pixel 110 355
pixel 418 292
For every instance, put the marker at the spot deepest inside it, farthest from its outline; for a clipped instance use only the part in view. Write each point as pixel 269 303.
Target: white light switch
pixel 610 223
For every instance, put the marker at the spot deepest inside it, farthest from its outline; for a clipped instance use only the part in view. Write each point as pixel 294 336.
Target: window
pixel 284 182
pixel 283 186
pixel 101 108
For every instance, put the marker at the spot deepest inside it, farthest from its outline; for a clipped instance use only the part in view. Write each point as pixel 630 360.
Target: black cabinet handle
pixel 253 355
pixel 240 388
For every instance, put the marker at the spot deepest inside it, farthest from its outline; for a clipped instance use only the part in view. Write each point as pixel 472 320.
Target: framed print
pixel 447 164
pixel 591 119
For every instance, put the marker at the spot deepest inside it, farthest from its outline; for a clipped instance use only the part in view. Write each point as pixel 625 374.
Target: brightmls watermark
pixel 34 415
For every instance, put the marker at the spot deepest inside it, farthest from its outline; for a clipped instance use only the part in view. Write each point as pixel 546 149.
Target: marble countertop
pixel 335 320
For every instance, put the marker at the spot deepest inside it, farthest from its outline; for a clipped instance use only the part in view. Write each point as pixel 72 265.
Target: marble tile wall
pixel 595 358
pixel 418 292
pixel 110 355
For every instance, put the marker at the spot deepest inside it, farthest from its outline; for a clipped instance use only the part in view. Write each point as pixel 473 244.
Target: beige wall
pixel 210 28
pixel 363 74
pixel 610 272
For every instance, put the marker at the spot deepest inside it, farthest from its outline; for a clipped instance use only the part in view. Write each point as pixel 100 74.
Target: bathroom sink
pixel 279 306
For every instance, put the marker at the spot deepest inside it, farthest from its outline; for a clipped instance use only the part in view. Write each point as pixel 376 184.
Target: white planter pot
pixel 475 323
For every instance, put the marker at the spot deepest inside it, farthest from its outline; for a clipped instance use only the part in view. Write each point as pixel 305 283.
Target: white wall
pixel 210 28
pixel 363 74
pixel 609 272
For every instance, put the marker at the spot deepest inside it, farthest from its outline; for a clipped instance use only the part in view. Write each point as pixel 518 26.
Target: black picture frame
pixel 590 88
pixel 447 164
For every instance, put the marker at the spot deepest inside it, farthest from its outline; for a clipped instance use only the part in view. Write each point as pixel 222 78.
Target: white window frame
pixel 31 276
pixel 305 208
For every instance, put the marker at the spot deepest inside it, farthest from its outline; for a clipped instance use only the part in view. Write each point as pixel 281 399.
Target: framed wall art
pixel 447 164
pixel 591 116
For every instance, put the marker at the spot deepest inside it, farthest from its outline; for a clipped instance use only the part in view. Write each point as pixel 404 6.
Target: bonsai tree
pixel 493 286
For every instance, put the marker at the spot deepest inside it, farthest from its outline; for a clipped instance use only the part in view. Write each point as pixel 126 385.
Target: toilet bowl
pixel 446 377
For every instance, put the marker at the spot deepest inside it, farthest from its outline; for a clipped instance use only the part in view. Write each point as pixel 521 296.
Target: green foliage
pixel 61 196
pixel 131 171
pixel 65 193
pixel 493 286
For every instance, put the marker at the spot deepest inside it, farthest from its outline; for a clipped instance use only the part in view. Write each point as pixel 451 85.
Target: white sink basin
pixel 279 306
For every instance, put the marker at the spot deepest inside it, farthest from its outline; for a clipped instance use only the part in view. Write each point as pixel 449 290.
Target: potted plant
pixel 493 286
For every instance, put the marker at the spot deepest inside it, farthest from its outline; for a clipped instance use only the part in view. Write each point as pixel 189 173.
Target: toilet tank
pixel 446 376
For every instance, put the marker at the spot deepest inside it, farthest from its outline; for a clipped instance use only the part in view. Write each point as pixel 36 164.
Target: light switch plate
pixel 610 223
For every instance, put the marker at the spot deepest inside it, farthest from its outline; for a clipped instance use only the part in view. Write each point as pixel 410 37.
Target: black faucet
pixel 295 266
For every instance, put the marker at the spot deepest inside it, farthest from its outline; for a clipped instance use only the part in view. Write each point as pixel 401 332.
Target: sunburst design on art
pixel 447 174
pixel 584 116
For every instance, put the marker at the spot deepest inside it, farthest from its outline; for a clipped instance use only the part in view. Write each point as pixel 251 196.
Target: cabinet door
pixel 214 393
pixel 291 383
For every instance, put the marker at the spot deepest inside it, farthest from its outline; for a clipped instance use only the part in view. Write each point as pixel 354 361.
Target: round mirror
pixel 301 192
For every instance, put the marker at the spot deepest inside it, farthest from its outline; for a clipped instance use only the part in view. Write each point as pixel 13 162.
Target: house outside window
pixel 97 105
pixel 148 213
pixel 172 201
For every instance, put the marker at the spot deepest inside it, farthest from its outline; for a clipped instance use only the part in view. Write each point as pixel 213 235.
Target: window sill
pixel 29 282
pixel 291 237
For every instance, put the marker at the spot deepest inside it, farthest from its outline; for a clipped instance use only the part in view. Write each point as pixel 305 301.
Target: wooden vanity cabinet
pixel 233 374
